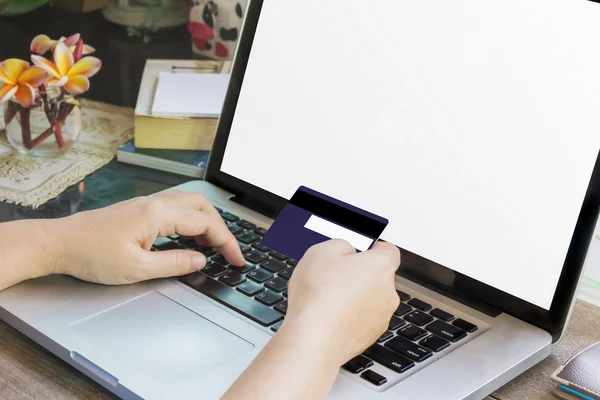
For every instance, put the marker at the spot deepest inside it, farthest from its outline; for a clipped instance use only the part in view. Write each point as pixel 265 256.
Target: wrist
pixel 312 335
pixel 54 239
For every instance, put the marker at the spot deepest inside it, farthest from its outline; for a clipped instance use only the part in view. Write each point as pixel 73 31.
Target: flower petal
pixel 77 84
pixel 33 76
pixel 4 78
pixel 58 82
pixel 13 67
pixel 41 44
pixel 6 92
pixel 25 95
pixel 87 66
pixel 87 49
pixel 72 40
pixel 63 58
pixel 46 65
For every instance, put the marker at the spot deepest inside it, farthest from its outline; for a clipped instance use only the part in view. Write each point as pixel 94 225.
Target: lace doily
pixel 33 182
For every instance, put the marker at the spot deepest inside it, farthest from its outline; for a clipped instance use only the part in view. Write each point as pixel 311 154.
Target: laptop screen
pixel 473 126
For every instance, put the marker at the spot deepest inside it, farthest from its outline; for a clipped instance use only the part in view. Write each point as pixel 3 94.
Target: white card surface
pixel 182 95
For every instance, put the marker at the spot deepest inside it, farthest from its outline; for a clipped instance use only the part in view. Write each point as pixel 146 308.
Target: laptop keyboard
pixel 258 291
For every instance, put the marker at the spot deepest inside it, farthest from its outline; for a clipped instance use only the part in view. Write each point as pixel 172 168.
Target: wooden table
pixel 27 371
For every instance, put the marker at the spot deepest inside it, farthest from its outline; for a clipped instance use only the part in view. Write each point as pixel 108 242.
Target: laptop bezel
pixel 415 268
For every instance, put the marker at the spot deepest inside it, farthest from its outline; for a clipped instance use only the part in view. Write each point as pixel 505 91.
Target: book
pixel 579 377
pixel 175 133
pixel 190 163
pixel 189 95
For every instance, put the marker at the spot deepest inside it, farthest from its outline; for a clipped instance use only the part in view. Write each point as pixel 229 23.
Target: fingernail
pixel 198 262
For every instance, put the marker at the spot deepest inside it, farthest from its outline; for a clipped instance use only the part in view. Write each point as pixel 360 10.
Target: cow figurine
pixel 215 27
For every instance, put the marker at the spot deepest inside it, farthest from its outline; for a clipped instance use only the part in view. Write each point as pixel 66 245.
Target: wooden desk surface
pixel 27 371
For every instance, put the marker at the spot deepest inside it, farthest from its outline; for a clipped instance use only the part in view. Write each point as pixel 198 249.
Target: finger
pixel 384 254
pixel 333 246
pixel 164 264
pixel 188 222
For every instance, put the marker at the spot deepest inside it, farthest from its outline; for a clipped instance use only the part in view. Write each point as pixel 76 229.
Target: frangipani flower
pixel 19 79
pixel 65 72
pixel 42 43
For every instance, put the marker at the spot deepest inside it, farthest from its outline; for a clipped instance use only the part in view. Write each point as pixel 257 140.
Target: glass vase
pixel 48 128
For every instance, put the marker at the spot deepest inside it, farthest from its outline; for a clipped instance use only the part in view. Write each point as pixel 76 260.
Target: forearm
pixel 295 364
pixel 28 249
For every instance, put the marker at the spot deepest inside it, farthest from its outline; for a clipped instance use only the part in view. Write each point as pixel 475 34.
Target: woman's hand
pixel 343 298
pixel 112 245
pixel 339 303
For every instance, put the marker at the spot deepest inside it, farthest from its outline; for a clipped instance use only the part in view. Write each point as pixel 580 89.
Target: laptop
pixel 470 125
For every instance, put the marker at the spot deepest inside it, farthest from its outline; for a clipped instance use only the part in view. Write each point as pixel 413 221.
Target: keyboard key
pixel 388 358
pixel 403 296
pixel 292 262
pixel 278 255
pixel 387 335
pixel 256 257
pixel 408 349
pixel 411 332
pixel 246 224
pixel 220 260
pixel 358 364
pixel 190 243
pixel 420 304
pixel 282 307
pixel 250 288
pixel 269 298
pixel 234 229
pixel 260 231
pixel 373 377
pixel 214 270
pixel 276 327
pixel 285 294
pixel 207 251
pixel 247 237
pixel 242 270
pixel 232 278
pixel 286 273
pixel 260 247
pixel 273 265
pixel 464 325
pixel 441 314
pixel 259 275
pixel 246 306
pixel 276 284
pixel 219 210
pixel 434 343
pixel 418 318
pixel 174 237
pixel 402 309
pixel 227 216
pixel 244 248
pixel 395 323
pixel 168 246
pixel 446 331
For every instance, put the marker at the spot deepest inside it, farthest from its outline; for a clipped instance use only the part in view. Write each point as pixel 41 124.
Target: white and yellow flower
pixel 19 79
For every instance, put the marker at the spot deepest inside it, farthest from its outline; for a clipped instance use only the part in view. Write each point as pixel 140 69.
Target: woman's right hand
pixel 342 298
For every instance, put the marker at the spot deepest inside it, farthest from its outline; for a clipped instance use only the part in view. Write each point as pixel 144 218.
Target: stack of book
pixel 579 377
pixel 176 115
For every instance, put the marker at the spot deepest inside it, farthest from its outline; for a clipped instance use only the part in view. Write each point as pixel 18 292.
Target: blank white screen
pixel 472 125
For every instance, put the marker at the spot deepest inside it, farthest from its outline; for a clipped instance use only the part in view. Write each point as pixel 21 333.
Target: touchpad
pixel 160 337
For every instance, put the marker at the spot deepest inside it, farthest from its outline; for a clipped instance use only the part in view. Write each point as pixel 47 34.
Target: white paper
pixel 184 95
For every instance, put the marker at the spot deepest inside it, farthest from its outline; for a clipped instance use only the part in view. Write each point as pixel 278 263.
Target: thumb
pixel 163 264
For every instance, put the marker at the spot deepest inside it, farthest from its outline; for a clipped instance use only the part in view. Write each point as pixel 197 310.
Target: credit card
pixel 311 217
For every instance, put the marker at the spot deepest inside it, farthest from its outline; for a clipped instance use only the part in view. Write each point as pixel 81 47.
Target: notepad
pixel 189 95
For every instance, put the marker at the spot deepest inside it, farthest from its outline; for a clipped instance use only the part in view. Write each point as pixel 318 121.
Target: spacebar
pixel 231 298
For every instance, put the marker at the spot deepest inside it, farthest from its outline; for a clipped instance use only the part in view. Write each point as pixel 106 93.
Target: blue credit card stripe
pixel 338 214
